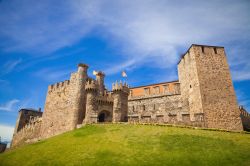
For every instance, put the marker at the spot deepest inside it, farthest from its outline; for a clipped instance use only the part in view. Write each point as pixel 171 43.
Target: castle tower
pixel 91 104
pixel 120 106
pixel 100 82
pixel 79 93
pixel 207 88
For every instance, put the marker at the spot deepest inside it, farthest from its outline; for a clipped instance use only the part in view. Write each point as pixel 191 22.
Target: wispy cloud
pixel 155 35
pixel 148 32
pixel 53 74
pixel 241 75
pixel 239 61
pixel 9 66
pixel 39 27
pixel 243 99
pixel 9 106
pixel 118 68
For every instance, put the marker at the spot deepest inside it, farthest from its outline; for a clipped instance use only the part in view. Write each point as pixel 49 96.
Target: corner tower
pixel 207 88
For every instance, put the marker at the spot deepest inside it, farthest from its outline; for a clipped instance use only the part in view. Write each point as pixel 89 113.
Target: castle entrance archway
pixel 104 116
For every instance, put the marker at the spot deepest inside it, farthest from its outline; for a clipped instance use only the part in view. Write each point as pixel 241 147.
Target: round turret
pixel 82 68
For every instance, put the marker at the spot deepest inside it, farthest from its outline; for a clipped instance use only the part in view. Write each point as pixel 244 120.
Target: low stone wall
pixel 245 118
pixel 29 133
pixel 176 119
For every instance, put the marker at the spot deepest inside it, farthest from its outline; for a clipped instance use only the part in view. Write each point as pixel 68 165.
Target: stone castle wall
pixel 161 109
pixel 154 108
pixel 245 118
pixel 58 114
pixel 28 133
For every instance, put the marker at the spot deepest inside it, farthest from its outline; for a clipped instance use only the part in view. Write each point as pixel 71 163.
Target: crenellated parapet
pixel 91 85
pixel 245 118
pixel 105 99
pixel 244 112
pixel 59 85
pixel 124 87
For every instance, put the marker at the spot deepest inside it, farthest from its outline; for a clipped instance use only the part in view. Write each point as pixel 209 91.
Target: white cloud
pixel 117 68
pixel 148 31
pixel 9 106
pixel 6 132
pixel 240 75
pixel 151 32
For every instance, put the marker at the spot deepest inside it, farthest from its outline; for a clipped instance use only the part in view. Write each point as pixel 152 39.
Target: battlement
pixel 120 87
pixel 91 85
pixel 244 112
pixel 107 98
pixel 204 49
pixel 59 85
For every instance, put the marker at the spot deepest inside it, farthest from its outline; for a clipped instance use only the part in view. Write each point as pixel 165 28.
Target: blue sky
pixel 43 41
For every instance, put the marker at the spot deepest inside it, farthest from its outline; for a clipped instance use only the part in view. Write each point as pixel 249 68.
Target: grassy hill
pixel 123 144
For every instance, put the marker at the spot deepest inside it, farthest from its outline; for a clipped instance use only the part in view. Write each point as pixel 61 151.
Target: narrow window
pixel 190 86
pixel 143 107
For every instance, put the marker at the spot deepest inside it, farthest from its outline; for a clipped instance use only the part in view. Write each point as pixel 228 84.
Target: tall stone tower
pixel 91 104
pixel 207 88
pixel 79 93
pixel 65 104
pixel 120 106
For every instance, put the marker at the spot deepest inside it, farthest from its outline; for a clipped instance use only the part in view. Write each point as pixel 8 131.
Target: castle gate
pixel 105 116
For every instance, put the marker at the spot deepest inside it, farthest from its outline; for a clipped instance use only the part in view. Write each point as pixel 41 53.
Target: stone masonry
pixel 203 96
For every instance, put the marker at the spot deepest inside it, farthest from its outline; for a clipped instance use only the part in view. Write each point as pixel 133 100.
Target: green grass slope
pixel 124 144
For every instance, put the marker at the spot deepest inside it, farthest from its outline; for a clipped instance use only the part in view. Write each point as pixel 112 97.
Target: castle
pixel 203 96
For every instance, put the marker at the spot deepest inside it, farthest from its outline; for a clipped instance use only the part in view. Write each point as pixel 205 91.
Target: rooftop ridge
pixel 175 81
